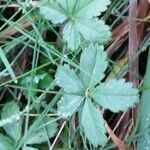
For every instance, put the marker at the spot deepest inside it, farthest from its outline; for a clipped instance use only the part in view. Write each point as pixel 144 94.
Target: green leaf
pixel 54 12
pixel 93 30
pixel 116 95
pixel 71 35
pixel 14 127
pixel 68 105
pixel 67 79
pixel 93 62
pixel 90 8
pixel 6 143
pixel 93 124
pixel 34 80
pixel 40 134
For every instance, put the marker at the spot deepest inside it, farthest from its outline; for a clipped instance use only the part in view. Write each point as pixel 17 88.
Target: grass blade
pixel 7 65
pixel 144 140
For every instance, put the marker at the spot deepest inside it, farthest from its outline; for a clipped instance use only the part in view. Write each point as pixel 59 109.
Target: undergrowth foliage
pixel 83 90
pixel 12 124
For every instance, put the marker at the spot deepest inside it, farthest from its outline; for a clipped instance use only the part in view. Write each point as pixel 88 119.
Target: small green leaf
pixel 116 95
pixel 68 105
pixel 13 128
pixel 27 81
pixel 71 35
pixel 67 79
pixel 93 124
pixel 40 135
pixel 54 12
pixel 45 81
pixel 6 143
pixel 93 62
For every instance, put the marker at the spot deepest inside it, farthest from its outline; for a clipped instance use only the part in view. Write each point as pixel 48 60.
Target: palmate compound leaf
pixel 69 105
pixel 93 63
pixel 116 95
pixel 68 80
pixel 93 124
pixel 81 24
pixel 40 134
pixel 12 128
